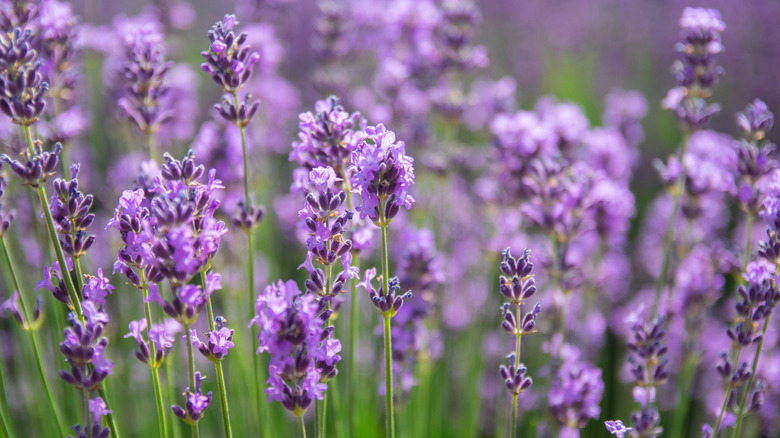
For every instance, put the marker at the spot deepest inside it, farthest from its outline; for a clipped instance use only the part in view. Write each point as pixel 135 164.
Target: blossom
pixel 617 428
pixel 383 175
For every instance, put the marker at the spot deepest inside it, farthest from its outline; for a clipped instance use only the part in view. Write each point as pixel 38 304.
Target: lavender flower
pixel 754 156
pixel 171 233
pixel 145 72
pixel 326 244
pixel 696 73
pixel 70 211
pixel 84 348
pixel 328 137
pixel 229 61
pixel 575 394
pixel 617 428
pixel 196 404
pixel 98 409
pixel 158 335
pixel 220 341
pixel 22 87
pixel 291 330
pixel 36 166
pixel 383 175
pixel 517 284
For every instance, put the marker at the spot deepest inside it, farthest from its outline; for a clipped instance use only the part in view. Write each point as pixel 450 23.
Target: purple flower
pixel 219 342
pixel 196 403
pixel 230 59
pixel 97 288
pixel 756 120
pixel 303 352
pixel 617 428
pixel 22 86
pixel 696 73
pixel 83 346
pixel 575 394
pixel 383 175
pixel 328 137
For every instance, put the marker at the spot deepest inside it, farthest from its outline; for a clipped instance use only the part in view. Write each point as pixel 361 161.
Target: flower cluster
pixel 84 348
pixel 229 61
pixel 326 244
pixel 649 367
pixel 328 136
pixel 22 86
pixel 196 404
pixel 575 393
pixel 220 340
pixel 387 302
pixel 383 175
pixel 171 233
pixel 754 154
pixel 517 285
pixel 145 72
pixel 70 211
pixel 303 351
pixel 697 72
pixel 159 335
pixel 36 166
pixel 98 410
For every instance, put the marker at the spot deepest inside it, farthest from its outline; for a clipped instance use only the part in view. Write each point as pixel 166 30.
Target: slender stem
pixel 87 416
pixel 191 368
pixel 259 372
pixel 679 187
pixel 389 408
pixel 79 276
pixel 726 398
pixel 743 402
pixel 320 406
pixel 354 327
pixel 518 339
pixel 223 400
pixel 75 302
pixel 6 429
pixel 218 364
pixel 33 340
pixel 110 416
pixel 171 384
pixel 155 366
pixel 389 420
pixel 748 239
pixel 150 145
pixel 301 427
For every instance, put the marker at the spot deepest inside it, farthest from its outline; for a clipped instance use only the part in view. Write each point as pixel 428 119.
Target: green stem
pixel 748 239
pixel 218 364
pixel 679 187
pixel 518 339
pixel 686 382
pixel 87 416
pixel 223 400
pixel 729 388
pixel 33 340
pixel 75 302
pixel 155 366
pixel 301 427
pixel 171 384
pixel 753 369
pixel 191 368
pixel 389 408
pixel 3 408
pixel 259 372
pixel 110 416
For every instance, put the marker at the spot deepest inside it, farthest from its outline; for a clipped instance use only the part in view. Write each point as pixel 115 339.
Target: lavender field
pixel 390 218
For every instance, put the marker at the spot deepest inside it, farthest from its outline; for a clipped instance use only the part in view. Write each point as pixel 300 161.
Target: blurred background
pixel 368 53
